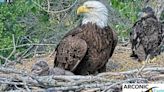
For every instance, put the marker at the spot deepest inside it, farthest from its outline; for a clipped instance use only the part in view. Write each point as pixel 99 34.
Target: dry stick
pixel 94 85
pixel 53 53
pixel 49 79
pixel 32 53
pixel 145 62
pixel 8 70
pixel 48 4
pixel 29 79
pixel 42 79
pixel 91 90
pixel 25 85
pixel 5 59
pixel 18 88
pixel 13 51
pixel 124 81
pixel 23 45
pixel 78 77
pixel 12 83
pixel 132 71
pixel 54 12
pixel 35 51
pixel 63 79
pixel 110 73
pixel 89 85
pixel 161 76
pixel 22 56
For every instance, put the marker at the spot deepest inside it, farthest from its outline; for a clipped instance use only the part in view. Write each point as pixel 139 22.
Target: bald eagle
pixel 146 36
pixel 87 48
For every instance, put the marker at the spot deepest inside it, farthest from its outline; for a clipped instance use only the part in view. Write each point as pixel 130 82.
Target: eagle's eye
pixel 89 7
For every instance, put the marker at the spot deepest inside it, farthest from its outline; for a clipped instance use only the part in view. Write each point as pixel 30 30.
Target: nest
pixel 15 80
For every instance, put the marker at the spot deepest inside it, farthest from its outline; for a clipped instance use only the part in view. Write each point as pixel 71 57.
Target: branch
pixel 5 59
pixel 23 45
pixel 144 65
pixel 65 82
pixel 55 12
pixel 13 51
pixel 159 69
pixel 124 81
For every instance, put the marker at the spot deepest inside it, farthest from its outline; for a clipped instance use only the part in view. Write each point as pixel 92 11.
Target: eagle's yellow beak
pixel 82 9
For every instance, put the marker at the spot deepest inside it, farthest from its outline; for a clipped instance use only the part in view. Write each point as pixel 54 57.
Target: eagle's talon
pixel 143 62
pixel 153 60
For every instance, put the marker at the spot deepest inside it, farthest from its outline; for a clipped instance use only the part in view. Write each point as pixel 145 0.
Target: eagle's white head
pixel 94 12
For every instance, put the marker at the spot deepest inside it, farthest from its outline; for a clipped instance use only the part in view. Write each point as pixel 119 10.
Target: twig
pixel 158 77
pixel 23 45
pixel 132 71
pixel 64 82
pixel 12 83
pixel 90 85
pixel 124 81
pixel 13 51
pixel 53 53
pixel 55 12
pixel 144 65
pixel 22 56
pixel 25 85
pixel 48 4
pixel 5 59
pixel 110 73
pixel 8 70
pixel 14 47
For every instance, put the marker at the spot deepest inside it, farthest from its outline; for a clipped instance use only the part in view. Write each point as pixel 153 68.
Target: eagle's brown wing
pixel 86 49
pixel 70 52
pixel 135 40
pixel 162 44
pixel 115 40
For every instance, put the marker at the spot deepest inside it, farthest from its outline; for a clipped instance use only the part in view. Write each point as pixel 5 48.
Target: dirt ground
pixel 120 61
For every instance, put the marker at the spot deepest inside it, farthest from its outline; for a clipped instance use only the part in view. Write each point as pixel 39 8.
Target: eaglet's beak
pixel 82 9
pixel 142 14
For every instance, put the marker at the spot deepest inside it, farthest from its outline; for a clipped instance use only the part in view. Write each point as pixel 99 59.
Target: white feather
pixel 98 14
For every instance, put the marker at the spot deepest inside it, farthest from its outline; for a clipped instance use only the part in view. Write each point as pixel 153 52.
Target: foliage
pixel 9 23
pixel 128 9
pixel 29 22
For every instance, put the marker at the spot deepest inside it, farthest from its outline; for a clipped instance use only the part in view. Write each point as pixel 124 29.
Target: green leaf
pixel 33 9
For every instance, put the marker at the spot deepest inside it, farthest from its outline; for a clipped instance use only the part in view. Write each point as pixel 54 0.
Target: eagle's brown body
pixel 146 38
pixel 86 49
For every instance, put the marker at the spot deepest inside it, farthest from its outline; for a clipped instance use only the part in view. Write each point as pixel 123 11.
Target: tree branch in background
pixel 23 45
pixel 6 59
pixel 54 12
pixel 13 51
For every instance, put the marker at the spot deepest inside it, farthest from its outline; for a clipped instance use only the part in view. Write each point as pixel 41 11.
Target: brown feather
pixel 146 37
pixel 94 45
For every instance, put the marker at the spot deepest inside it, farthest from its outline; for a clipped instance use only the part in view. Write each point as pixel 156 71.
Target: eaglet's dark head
pixel 147 11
